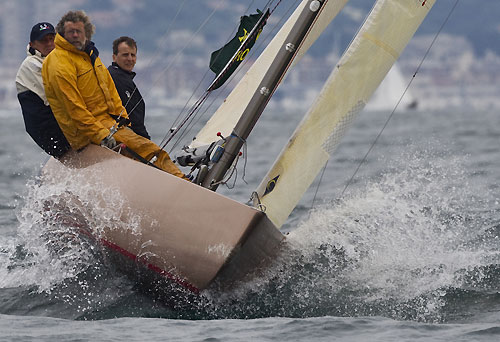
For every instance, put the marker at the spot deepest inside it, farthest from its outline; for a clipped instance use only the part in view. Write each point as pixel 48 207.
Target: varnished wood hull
pixel 187 234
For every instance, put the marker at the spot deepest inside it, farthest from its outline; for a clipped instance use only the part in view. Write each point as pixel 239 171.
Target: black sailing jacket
pixel 41 124
pixel 135 106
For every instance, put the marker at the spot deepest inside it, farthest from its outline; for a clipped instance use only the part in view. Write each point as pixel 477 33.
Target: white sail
pixel 391 91
pixel 386 31
pixel 228 114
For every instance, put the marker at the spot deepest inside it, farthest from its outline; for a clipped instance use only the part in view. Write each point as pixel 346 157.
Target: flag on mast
pixel 227 59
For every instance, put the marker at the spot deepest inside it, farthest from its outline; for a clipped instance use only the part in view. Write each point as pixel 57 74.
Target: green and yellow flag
pixel 227 59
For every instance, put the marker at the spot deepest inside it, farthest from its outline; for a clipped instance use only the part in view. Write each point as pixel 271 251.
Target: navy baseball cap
pixel 40 30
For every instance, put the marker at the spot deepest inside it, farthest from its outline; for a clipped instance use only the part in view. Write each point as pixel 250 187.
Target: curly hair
pixel 124 39
pixel 75 17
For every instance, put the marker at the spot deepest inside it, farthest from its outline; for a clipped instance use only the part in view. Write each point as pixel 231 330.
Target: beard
pixel 78 44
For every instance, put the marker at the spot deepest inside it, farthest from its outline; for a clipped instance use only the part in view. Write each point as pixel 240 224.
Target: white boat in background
pixel 196 238
pixel 391 91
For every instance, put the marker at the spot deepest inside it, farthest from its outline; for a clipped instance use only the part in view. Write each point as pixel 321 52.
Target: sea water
pixel 405 249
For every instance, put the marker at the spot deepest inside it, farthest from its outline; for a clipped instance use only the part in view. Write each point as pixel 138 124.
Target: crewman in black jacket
pixel 124 59
pixel 39 120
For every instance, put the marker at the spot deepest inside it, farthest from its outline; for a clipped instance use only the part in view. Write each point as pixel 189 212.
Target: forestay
pixel 228 114
pixel 386 31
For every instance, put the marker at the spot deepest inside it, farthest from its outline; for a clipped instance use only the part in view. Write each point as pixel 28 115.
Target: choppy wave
pixel 53 265
pixel 415 243
pixel 420 243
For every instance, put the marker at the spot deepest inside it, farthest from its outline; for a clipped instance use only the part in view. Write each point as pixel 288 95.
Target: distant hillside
pixel 173 59
pixel 148 21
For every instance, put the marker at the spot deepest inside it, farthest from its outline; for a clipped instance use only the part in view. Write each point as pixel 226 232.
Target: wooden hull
pixel 187 234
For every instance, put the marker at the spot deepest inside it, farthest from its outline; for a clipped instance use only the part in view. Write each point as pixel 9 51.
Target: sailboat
pixel 203 238
pixel 391 92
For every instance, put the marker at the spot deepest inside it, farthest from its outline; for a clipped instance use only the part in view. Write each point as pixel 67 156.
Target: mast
pixel 262 94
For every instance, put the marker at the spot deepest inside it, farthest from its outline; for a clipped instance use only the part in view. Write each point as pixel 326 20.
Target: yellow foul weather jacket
pixel 80 94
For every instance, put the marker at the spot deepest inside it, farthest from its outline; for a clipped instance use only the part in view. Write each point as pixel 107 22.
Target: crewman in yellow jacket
pixel 84 98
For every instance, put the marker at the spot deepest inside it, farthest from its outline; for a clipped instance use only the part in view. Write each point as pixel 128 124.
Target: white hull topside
pixel 186 233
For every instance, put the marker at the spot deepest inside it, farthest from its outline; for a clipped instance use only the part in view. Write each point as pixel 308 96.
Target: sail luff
pixel 228 114
pixel 386 31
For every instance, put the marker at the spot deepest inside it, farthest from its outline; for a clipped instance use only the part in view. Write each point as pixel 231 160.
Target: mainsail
pixel 228 114
pixel 386 31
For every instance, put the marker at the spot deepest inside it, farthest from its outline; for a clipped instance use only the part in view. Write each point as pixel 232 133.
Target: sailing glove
pixel 109 142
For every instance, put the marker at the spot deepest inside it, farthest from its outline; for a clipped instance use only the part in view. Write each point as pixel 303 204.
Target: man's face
pixel 126 57
pixel 75 34
pixel 44 45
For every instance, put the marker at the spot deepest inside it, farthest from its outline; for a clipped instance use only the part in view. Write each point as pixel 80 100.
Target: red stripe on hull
pixel 152 267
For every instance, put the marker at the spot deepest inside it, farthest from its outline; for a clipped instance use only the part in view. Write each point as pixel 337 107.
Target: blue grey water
pixel 409 252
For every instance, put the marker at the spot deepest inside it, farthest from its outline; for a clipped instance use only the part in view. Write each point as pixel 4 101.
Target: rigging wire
pixel 195 109
pixel 188 43
pixel 393 111
pixel 165 35
pixel 149 65
pixel 317 188
pixel 192 113
pixel 176 121
pixel 157 52
pixel 197 117
pixel 202 79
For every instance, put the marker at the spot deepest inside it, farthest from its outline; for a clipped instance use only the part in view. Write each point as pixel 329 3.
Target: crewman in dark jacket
pixel 124 59
pixel 39 120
